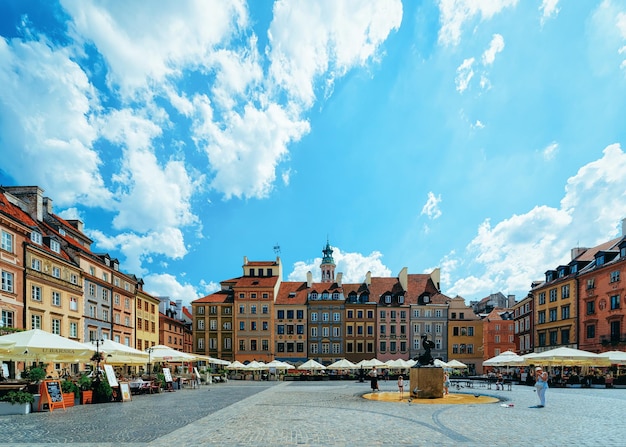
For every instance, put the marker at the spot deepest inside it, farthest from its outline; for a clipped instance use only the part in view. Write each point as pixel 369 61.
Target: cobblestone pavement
pixel 327 413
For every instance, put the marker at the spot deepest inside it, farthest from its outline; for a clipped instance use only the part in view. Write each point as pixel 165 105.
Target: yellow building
pixel 146 319
pixel 465 335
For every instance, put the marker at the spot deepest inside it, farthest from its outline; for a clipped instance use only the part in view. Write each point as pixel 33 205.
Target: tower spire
pixel 328 264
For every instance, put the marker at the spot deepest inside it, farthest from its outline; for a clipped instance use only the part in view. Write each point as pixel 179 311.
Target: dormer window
pixel 335 295
pixel 55 246
pixel 600 260
pixel 35 236
pixel 61 231
pixel 313 295
pixel 325 295
pixel 401 299
pixel 387 299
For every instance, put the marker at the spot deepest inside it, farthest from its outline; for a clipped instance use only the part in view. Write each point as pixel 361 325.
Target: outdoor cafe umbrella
pixel 236 365
pixel 371 364
pixel 441 364
pixel 399 363
pixel 566 357
pixel 456 364
pixel 162 353
pixel 277 364
pixel 311 365
pixel 41 346
pixel 507 358
pixel 342 364
pixel 255 366
pixel 120 354
pixel 616 357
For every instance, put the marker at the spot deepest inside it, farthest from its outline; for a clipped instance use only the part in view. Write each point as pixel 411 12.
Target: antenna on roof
pixel 277 249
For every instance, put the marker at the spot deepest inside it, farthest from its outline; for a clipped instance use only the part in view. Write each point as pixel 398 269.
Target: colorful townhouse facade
pixel 524 325
pixel 498 332
pixel 465 335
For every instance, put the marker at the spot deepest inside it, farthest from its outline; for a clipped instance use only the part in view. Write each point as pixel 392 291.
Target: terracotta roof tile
pixel 298 289
pixel 221 296
pixel 15 212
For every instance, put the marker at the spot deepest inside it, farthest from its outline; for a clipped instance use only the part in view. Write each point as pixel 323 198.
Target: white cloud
pixel 454 14
pixel 353 266
pixel 144 44
pixel 518 250
pixel 326 38
pixel 606 29
pixel 139 249
pixel 464 74
pixel 46 104
pixel 548 9
pixel 495 47
pixel 167 285
pixel 478 125
pixel 550 151
pixel 431 207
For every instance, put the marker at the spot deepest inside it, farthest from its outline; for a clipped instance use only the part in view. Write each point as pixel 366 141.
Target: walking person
pixel 541 385
pixel 446 383
pixel 374 379
pixel 401 386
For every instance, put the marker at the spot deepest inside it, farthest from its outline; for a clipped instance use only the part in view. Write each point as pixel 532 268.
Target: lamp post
pixel 98 356
pixel 149 363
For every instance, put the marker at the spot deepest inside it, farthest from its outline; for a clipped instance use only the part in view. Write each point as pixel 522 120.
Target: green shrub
pixel 18 397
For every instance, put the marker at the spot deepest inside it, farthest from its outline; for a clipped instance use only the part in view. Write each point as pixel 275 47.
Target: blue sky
pixel 481 137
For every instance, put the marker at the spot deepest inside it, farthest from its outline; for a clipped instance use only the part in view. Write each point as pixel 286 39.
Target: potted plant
pixel 70 392
pixel 86 393
pixel 16 402
pixel 34 375
pixel 102 391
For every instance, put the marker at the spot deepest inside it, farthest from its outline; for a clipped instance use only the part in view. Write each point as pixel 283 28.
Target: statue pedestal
pixel 428 381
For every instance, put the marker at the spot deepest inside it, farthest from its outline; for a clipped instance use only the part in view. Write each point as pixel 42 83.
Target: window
pixel 56 298
pixel 253 295
pixel 565 291
pixel 242 345
pixel 126 303
pixel 242 309
pixel 74 278
pixel 541 317
pixel 387 299
pixel 35 322
pixel 35 236
pixel 349 330
pixel 542 298
pixel 552 295
pixel 591 307
pixel 564 336
pixel 265 309
pixel 265 326
pixel 56 326
pixel 383 314
pixel 455 349
pixel 383 329
pixel 116 299
pixel 383 346
pixel 313 332
pixel 265 345
pixel 290 314
pixel 73 329
pixel 416 314
pixel 56 272
pixel 614 276
pixel 265 295
pixel 325 331
pixel 242 325
pixel 105 295
pixel 35 293
pixel 253 309
pixel 336 316
pixel 201 325
pixel 201 343
pixel 336 331
pixel 325 316
pixel 7 281
pixel 300 314
pixel 438 313
pixel 92 311
pixel 7 319
pixel 253 325
pixel 553 314
pixel 591 283
pixel 35 264
pixel 313 316
pixel 553 338
pixel 7 242
pixel 564 312
pixel 55 246
pixel 280 314
pixel 542 339
pixel 105 314
pixel 105 276
pixel 470 331
pixel 615 302
pixel 313 348
pixel 615 331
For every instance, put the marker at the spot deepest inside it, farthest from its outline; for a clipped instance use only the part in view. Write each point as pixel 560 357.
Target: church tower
pixel 328 264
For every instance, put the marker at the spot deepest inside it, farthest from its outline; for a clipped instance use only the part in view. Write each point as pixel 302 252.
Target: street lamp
pixel 150 363
pixel 97 356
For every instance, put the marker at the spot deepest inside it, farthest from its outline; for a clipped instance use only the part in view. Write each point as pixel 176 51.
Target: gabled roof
pixel 15 212
pixel 292 293
pixel 256 281
pixel 221 296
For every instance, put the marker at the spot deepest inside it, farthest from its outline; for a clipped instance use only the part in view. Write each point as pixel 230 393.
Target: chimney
pixel 368 279
pixel 76 224
pixel 339 278
pixel 577 251
pixel 403 278
pixel 32 197
pixel 309 279
pixel 624 227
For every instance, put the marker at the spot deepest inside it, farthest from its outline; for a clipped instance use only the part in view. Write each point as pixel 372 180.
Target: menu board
pixel 51 394
pixel 110 373
pixel 167 374
pixel 125 388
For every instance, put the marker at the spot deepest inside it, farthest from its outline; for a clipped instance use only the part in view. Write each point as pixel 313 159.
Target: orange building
pixel 602 290
pixel 465 335
pixel 498 333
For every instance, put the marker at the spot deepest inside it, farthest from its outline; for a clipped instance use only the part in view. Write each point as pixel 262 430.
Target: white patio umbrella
pixel 5 345
pixel 42 346
pixel 277 364
pixel 456 364
pixel 311 365
pixel 371 364
pixel 255 366
pixel 342 364
pixel 566 357
pixel 399 363
pixel 236 365
pixel 162 353
pixel 616 357
pixel 507 358
pixel 119 354
pixel 441 364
